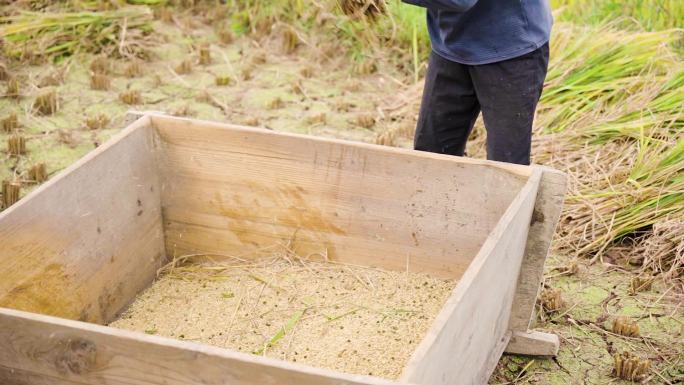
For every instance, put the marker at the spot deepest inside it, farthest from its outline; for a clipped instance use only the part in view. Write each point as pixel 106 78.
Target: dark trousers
pixel 506 92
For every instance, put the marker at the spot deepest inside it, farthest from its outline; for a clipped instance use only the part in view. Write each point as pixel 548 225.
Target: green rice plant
pixel 291 323
pixel 653 190
pixel 593 68
pixel 611 116
pixel 651 15
pixel 663 112
pixel 57 35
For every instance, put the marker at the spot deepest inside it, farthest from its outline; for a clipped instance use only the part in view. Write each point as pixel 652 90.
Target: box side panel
pixel 82 245
pixel 231 190
pixel 470 333
pixel 44 350
pixel 547 209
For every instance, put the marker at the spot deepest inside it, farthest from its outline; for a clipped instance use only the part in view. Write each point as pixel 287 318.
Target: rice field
pixel 611 116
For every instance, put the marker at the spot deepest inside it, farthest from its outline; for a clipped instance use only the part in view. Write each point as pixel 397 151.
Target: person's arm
pixel 444 5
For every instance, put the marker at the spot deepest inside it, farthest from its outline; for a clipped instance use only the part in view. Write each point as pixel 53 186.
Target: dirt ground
pixel 307 93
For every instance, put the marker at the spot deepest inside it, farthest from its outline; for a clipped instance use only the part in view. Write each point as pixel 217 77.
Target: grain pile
pixel 348 318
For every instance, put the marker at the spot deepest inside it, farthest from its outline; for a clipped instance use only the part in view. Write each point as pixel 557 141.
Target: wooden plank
pixel 469 334
pixel 230 189
pixel 43 350
pixel 533 343
pixel 82 245
pixel 545 217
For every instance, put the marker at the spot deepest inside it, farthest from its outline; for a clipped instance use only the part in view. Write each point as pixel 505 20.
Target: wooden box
pixel 77 250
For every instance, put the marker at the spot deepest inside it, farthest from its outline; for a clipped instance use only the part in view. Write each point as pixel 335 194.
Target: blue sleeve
pixel 444 5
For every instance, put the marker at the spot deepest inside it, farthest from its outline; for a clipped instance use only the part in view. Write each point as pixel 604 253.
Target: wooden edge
pixel 137 356
pixel 85 159
pixel 533 343
pixel 133 115
pixel 524 171
pixel 497 352
pixel 545 218
pixel 461 289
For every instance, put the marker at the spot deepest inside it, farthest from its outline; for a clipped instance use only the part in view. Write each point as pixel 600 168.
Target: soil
pixel 347 318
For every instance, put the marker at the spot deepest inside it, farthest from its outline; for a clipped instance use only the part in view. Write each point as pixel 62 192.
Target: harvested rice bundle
pixel 661 250
pixel 610 116
pixel 54 35
pixel 368 8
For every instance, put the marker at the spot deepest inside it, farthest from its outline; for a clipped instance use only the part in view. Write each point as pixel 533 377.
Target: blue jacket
pixel 486 31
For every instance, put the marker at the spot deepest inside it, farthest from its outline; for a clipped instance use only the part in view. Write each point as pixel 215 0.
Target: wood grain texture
pixel 470 333
pixel 230 190
pixel 82 245
pixel 547 211
pixel 42 350
pixel 533 343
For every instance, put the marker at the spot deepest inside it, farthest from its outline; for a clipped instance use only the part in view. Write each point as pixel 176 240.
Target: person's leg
pixel 508 93
pixel 448 110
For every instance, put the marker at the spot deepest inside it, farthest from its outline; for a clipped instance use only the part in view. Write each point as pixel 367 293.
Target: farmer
pixel 489 56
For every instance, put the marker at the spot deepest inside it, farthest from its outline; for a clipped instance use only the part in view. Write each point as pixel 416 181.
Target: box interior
pixel 84 244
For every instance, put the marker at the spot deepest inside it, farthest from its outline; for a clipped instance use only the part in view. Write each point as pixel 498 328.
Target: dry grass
pixel 205 54
pixel 660 250
pixel 225 35
pixel 11 191
pixel 320 118
pixel 551 300
pixel 223 80
pixel 258 58
pixel 101 65
pixel 131 97
pixel 134 69
pixel 366 67
pixel 13 88
pixel 41 35
pixel 625 326
pixel 9 123
pixel 640 283
pixel 53 78
pixel 100 81
pixel 368 8
pixel 46 103
pixel 97 121
pixel 290 40
pixel 275 103
pixel 631 368
pixel 386 138
pixel 16 145
pixel 365 120
pixel 4 73
pixel 184 67
pixel 38 173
